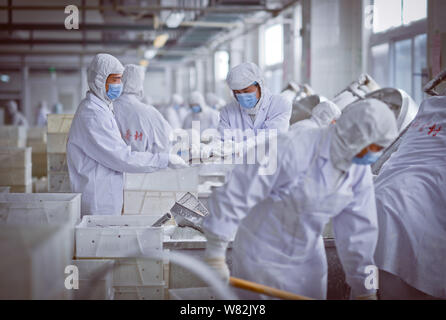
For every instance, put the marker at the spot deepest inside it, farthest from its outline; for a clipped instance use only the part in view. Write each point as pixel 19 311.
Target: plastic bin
pixel 59 182
pixel 139 292
pixel 57 142
pixel 138 272
pixel 59 123
pixel 155 203
pixel 93 283
pixel 185 180
pixel 11 157
pixel 57 162
pixel 117 236
pixel 16 176
pixel 13 136
pixel 33 261
pixel 203 293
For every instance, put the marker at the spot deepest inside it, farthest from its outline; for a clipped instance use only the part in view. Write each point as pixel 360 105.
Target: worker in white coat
pixel 17 118
pixel 141 125
pixel 97 156
pixel 214 101
pixel 207 117
pixel 411 202
pixel 254 108
pixel 279 218
pixel 42 114
pixel 176 112
pixel 324 114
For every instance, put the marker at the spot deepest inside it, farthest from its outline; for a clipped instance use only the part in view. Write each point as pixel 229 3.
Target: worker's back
pixel 141 126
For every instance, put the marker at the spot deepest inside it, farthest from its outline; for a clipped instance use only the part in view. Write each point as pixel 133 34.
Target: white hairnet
pixel 197 98
pixel 12 107
pixel 325 112
pixel 133 79
pixel 363 123
pixel 177 99
pixel 211 98
pixel 98 71
pixel 244 75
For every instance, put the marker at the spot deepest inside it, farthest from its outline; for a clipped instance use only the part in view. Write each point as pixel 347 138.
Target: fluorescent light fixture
pixel 4 78
pixel 160 40
pixel 150 54
pixel 174 19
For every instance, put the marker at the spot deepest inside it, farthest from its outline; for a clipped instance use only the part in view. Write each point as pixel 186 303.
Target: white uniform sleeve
pixel 356 234
pixel 104 144
pixel 246 188
pixel 280 116
pixel 223 122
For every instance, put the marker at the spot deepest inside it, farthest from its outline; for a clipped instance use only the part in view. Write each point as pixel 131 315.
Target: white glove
pixel 215 256
pixel 176 162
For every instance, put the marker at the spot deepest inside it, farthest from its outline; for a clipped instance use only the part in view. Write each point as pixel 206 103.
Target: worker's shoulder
pixel 280 103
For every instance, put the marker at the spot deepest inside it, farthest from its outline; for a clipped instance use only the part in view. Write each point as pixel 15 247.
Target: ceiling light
pixel 160 40
pixel 4 78
pixel 174 19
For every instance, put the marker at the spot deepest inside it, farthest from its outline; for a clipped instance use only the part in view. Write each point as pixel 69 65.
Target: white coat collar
pixel 101 103
pixel 264 105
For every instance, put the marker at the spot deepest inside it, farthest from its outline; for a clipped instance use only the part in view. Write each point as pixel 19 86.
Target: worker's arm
pixel 103 143
pixel 356 234
pixel 280 115
pixel 246 188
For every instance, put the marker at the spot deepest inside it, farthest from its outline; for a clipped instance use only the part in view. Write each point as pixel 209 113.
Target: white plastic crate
pixel 36 134
pixel 139 293
pixel 59 182
pixel 11 157
pixel 16 176
pixel 28 188
pixel 40 185
pixel 59 123
pixel 117 236
pixel 57 162
pixel 33 261
pixel 40 208
pixel 94 284
pixel 155 203
pixel 164 180
pixel 137 272
pixel 203 293
pixel 57 142
pixel 13 136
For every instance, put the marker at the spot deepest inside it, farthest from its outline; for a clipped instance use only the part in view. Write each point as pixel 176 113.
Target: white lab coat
pixel 141 126
pixel 411 202
pixel 208 119
pixel 274 113
pixel 97 156
pixel 279 218
pixel 304 124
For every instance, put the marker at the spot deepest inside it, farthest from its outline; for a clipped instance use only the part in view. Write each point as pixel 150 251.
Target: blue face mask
pixel 247 100
pixel 176 107
pixel 114 91
pixel 369 158
pixel 196 109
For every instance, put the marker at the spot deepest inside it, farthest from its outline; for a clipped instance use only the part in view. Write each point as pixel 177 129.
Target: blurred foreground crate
pixel 95 280
pixel 13 136
pixel 34 261
pixel 15 169
pixel 37 140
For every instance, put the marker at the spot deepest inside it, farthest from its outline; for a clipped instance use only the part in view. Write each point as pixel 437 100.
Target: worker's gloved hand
pixel 222 149
pixel 176 162
pixel 371 296
pixel 215 256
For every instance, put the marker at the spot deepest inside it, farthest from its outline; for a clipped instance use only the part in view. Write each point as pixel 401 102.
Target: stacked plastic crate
pixel 37 237
pixel 133 245
pixel 58 128
pixel 36 139
pixel 15 169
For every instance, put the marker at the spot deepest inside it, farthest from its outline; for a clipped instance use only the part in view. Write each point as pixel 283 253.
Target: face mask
pixel 196 109
pixel 247 100
pixel 370 158
pixel 176 107
pixel 114 91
